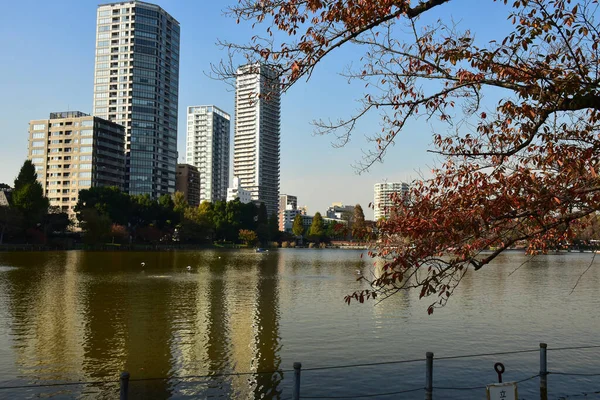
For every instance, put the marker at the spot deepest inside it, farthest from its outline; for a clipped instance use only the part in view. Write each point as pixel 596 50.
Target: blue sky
pixel 48 65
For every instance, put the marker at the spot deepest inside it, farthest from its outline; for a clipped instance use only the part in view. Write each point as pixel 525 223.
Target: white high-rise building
pixel 257 130
pixel 207 148
pixel 136 84
pixel 382 201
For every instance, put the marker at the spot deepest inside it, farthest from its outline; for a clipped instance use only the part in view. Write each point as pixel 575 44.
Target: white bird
pixel 189 268
pixel 143 264
pixel 219 257
pixel 358 272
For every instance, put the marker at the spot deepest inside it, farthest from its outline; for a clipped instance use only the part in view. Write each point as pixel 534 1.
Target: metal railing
pixel 428 389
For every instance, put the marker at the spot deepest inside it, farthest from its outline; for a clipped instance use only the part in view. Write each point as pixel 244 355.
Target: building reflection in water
pixel 88 316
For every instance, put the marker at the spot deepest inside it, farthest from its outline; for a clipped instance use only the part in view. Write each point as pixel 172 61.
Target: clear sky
pixel 48 65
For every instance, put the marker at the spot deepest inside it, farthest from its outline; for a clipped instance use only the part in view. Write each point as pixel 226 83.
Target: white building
pixel 287 217
pixel 337 210
pixel 287 203
pixel 382 201
pixel 236 191
pixel 257 131
pixel 207 148
pixel 136 84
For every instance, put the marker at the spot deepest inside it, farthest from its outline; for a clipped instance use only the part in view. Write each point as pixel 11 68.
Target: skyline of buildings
pixel 257 133
pixel 136 84
pixel 207 148
pixel 72 151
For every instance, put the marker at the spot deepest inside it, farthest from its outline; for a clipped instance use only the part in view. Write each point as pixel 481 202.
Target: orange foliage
pixel 521 171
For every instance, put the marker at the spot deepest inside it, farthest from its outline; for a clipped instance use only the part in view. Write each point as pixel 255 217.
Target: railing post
pixel 124 385
pixel 297 369
pixel 543 372
pixel 429 377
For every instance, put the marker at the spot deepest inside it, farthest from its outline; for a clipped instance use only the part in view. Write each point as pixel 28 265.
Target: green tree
pixel 262 226
pixel 196 225
pixel 249 216
pixel 28 195
pixel 11 222
pixel 167 217
pixel 317 229
pixel 359 227
pixel 179 202
pixel 56 221
pixel 298 227
pixel 96 226
pixel 109 201
pixel 274 233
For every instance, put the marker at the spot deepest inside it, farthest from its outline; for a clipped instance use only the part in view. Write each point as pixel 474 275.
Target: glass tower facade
pixel 136 84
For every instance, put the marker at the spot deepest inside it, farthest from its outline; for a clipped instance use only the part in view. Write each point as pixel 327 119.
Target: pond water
pixel 87 316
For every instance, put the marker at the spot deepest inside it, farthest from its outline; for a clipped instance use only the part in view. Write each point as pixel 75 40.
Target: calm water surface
pixel 84 316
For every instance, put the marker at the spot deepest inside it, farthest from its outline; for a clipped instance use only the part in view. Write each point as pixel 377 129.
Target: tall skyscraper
pixel 207 148
pixel 72 151
pixel 382 201
pixel 256 141
pixel 136 84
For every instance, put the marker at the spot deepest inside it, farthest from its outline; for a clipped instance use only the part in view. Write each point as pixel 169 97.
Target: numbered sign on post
pixel 502 391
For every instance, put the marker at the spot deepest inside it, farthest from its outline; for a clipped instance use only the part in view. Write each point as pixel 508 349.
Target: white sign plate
pixel 502 391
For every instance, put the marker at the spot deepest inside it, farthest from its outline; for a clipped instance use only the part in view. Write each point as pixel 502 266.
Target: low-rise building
pixel 72 151
pixel 337 210
pixel 287 217
pixel 287 206
pixel 236 191
pixel 187 181
pixel 307 221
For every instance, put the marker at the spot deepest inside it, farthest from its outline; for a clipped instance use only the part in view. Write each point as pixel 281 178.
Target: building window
pixel 87 149
pixel 39 135
pixel 38 127
pixel 37 144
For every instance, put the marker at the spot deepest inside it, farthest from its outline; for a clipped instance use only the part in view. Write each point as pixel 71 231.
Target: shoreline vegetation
pixel 107 218
pixel 108 247
pixel 166 247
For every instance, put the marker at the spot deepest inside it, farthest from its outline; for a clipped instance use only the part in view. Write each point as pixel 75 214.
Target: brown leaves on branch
pixel 518 172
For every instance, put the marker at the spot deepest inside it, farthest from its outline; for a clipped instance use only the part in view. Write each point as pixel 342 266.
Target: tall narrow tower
pixel 207 148
pixel 257 130
pixel 136 84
